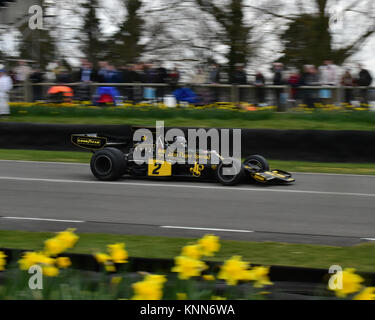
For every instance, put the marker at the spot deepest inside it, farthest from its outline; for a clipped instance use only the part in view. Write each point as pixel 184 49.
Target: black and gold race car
pixel 113 159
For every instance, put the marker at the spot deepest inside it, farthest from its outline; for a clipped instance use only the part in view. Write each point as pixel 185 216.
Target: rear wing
pixel 93 142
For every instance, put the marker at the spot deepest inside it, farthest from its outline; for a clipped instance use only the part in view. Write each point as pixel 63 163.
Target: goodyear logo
pixel 89 141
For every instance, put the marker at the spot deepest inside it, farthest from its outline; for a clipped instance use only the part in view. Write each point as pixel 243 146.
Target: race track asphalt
pixel 317 209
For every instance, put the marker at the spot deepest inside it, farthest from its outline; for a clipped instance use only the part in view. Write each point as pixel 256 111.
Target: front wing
pixel 275 176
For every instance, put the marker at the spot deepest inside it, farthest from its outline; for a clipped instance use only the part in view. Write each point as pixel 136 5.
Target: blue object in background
pixel 111 91
pixel 185 95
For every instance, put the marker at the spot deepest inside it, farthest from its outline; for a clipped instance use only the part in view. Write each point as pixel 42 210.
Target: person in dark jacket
pixel 364 80
pixel 260 81
pixel 239 77
pixel 36 76
pixel 347 81
pixel 310 77
pixel 85 75
pixel 278 80
pixel 162 78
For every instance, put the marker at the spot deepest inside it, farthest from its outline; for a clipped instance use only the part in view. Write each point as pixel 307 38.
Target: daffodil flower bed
pixel 190 278
pixel 145 106
pixel 224 114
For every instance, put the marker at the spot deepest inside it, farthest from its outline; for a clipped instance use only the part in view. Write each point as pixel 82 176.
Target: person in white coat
pixel 5 86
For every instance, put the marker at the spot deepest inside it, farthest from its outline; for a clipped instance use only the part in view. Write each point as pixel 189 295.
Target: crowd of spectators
pixel 107 74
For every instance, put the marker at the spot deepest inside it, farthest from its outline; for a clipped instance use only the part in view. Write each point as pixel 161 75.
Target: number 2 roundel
pixel 159 169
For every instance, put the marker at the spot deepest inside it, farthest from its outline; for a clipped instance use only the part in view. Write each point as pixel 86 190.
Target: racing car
pixel 113 158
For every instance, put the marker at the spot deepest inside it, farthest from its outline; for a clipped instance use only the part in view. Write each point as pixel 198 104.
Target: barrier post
pixel 27 94
pixel 235 94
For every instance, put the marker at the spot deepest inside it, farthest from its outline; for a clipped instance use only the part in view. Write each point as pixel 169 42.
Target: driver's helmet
pixel 180 141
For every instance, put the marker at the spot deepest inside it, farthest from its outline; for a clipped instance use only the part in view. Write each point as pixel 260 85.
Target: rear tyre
pixel 257 161
pixel 235 174
pixel 108 164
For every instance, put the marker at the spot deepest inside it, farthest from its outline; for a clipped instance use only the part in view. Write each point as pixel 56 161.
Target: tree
pixel 126 42
pixel 36 44
pixel 92 45
pixel 306 41
pixel 309 38
pixel 235 33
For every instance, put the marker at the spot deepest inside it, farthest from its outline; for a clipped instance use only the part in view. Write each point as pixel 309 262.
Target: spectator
pixel 329 76
pixel 162 78
pixel 278 80
pixel 63 75
pixel 22 71
pixel 294 81
pixel 36 77
pixel 214 74
pixel 149 76
pixel 103 70
pixel 260 81
pixel 112 75
pixel 200 78
pixel 86 75
pixel 214 78
pixel 310 78
pixel 347 81
pixel 5 86
pixel 174 77
pixel 364 80
pixel 239 77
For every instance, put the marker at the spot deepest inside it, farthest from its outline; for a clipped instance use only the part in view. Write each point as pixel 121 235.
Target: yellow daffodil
pixel 50 271
pixel 102 257
pixel 366 294
pixel 32 258
pixel 260 276
pixel 109 267
pixel 351 283
pixel 218 298
pixel 208 277
pixel 181 296
pixel 68 238
pixel 188 267
pixel 234 270
pixel 151 288
pixel 192 251
pixel 209 245
pixel 118 253
pixel 63 262
pixel 54 246
pixel 116 280
pixel 2 260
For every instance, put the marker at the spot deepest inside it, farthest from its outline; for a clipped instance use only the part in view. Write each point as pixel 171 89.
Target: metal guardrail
pixel 280 96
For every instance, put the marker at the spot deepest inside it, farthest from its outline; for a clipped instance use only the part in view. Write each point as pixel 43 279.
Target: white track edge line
pixel 42 219
pixel 166 185
pixel 207 229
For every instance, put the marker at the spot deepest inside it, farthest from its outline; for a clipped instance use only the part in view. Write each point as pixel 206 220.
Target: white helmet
pixel 181 141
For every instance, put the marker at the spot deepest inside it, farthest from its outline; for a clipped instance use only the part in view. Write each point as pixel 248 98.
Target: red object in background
pixel 105 98
pixel 294 81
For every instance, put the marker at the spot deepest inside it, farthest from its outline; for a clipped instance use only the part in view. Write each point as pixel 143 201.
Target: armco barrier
pixel 32 136
pixel 302 145
pixel 87 262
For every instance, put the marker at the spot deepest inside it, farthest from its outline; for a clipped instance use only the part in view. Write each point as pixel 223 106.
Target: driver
pixel 180 142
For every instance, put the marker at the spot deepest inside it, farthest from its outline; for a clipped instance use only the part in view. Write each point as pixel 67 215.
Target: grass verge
pixel 294 166
pixel 361 257
pixel 216 118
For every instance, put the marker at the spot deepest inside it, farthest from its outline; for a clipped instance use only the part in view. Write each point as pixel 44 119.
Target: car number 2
pixel 159 169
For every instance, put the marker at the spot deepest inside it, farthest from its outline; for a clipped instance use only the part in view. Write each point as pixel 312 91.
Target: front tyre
pixel 108 164
pixel 257 162
pixel 230 172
